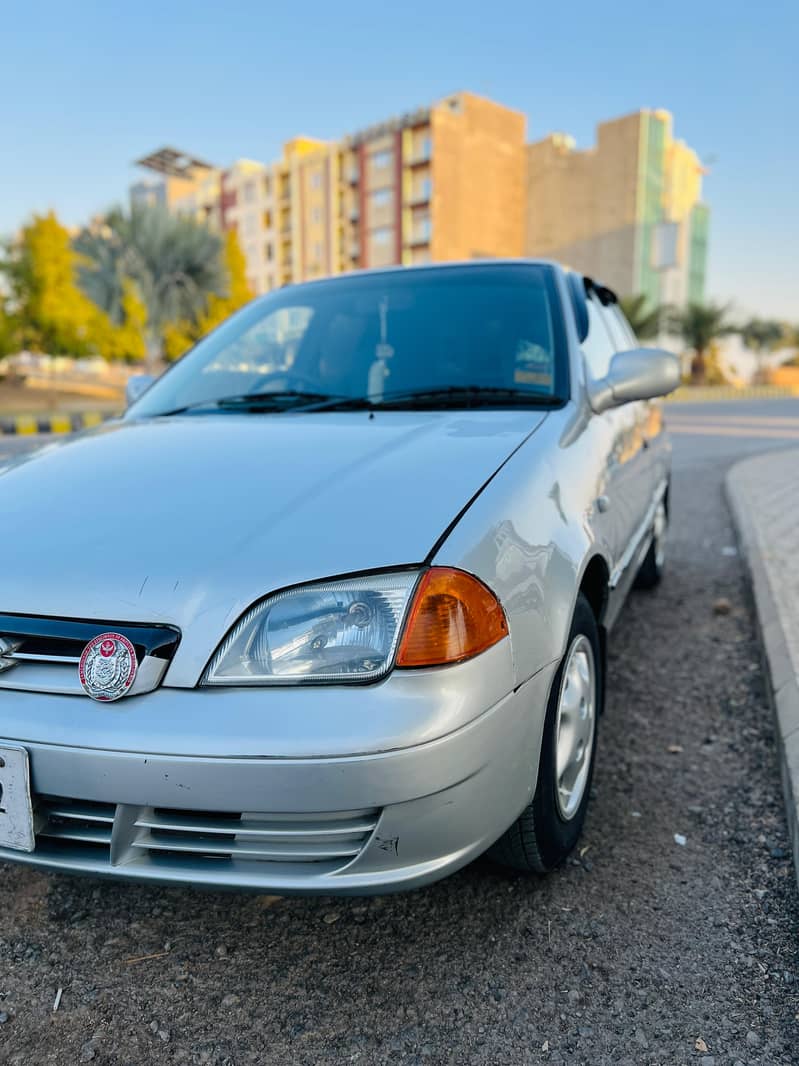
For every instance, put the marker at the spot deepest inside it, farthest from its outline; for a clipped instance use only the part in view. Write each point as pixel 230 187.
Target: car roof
pixel 396 268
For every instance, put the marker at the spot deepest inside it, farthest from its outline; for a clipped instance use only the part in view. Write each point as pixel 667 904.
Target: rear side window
pixel 626 327
pixel 598 347
pixel 617 327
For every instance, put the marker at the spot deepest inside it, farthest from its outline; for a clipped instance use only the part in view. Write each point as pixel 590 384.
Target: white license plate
pixel 16 812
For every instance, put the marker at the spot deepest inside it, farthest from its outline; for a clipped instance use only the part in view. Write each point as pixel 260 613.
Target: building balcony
pixel 355 250
pixel 420 158
pixel 352 176
pixel 353 214
pixel 418 238
pixel 420 198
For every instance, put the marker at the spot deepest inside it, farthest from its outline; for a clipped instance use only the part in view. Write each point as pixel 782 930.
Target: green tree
pixel 642 316
pixel 181 335
pixel 173 261
pixel 699 325
pixel 762 335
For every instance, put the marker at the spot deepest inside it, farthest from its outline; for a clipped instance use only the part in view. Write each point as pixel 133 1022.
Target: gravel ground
pixel 640 951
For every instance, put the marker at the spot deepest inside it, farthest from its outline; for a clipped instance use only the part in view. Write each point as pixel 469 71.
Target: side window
pixel 632 340
pixel 597 346
pixel 617 328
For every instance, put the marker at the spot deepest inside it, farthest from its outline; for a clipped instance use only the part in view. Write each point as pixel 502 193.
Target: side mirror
pixel 637 374
pixel 137 385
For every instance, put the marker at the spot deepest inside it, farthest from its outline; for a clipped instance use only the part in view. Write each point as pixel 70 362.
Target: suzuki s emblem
pixel 108 666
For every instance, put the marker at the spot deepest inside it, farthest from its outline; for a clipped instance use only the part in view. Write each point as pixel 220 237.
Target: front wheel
pixel 548 828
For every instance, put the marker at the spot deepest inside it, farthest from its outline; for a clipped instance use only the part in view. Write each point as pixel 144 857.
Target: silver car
pixel 326 611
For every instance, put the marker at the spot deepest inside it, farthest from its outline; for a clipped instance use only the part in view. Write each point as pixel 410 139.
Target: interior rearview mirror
pixel 137 385
pixel 637 374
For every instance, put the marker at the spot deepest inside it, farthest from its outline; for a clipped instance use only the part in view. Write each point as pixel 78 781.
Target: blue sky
pixel 86 87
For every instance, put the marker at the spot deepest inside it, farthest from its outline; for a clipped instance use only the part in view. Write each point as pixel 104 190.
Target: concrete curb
pixel 728 393
pixel 782 682
pixel 64 423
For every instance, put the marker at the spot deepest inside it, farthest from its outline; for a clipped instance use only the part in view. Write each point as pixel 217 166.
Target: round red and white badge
pixel 107 666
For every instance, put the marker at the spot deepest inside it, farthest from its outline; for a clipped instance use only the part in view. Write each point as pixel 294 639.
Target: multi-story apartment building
pixel 247 204
pixel 284 213
pixel 456 181
pixel 628 211
pixel 440 183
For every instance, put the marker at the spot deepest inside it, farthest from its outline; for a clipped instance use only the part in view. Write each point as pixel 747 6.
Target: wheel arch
pixel 595 586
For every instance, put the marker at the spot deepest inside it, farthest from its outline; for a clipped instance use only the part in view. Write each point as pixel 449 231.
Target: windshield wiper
pixel 257 401
pixel 445 396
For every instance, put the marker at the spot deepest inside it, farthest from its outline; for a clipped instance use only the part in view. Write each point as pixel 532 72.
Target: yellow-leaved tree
pixel 127 340
pixel 56 317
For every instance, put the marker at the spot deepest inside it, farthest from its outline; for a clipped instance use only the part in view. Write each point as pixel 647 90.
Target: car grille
pixel 122 834
pixel 39 654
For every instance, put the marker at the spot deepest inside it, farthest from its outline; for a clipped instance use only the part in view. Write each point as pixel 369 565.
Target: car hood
pixel 188 520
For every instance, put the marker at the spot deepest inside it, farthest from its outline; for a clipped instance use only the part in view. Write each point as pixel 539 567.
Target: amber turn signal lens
pixel 453 617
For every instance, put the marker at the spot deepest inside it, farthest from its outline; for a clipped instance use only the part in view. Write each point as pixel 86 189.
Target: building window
pixel 316 215
pixel 269 251
pixel 382 236
pixel 249 192
pixel 382 197
pixel 422 229
pixel 250 225
pixel 382 160
pixel 267 219
pixel 267 186
pixel 424 189
pixel 317 251
pixel 316 180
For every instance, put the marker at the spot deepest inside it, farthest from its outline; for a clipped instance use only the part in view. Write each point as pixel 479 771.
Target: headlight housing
pixel 357 628
pixel 338 631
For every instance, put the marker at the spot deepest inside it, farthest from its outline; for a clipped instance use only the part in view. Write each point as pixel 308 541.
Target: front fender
pixel 529 536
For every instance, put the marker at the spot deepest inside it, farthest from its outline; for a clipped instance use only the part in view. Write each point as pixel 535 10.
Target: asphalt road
pixel 641 951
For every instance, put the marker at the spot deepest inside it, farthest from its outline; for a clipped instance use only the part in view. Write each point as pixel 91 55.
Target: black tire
pixel 650 572
pixel 540 838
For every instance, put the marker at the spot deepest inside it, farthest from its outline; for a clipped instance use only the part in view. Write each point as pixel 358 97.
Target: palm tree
pixel 642 316
pixel 699 325
pixel 761 335
pixel 174 261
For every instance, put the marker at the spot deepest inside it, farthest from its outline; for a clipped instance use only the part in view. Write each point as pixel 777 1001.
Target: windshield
pixel 381 335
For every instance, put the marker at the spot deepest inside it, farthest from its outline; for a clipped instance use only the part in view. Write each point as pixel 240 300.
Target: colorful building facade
pixel 454 181
pixel 628 211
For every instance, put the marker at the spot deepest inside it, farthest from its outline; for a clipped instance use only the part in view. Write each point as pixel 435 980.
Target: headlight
pixel 341 631
pixel 352 630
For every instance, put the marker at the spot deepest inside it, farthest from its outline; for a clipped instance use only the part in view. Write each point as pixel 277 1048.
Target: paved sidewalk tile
pixel 764 495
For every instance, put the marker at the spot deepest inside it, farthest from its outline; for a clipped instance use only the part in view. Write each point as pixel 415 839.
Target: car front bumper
pixel 371 822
